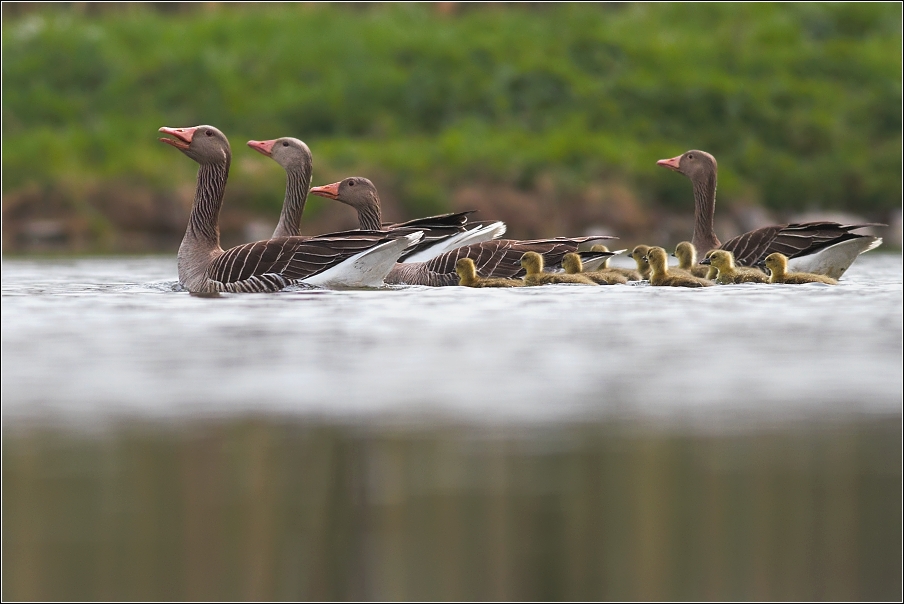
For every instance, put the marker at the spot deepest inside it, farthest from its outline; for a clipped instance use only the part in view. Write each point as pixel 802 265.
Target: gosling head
pixel 572 264
pixel 639 254
pixel 466 270
pixel 721 259
pixel 532 263
pixel 777 263
pixel 204 144
pixel 686 254
pixel 658 259
pixel 599 247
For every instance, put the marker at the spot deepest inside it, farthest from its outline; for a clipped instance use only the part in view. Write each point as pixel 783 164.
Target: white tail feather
pixel 367 268
pixel 475 235
pixel 834 260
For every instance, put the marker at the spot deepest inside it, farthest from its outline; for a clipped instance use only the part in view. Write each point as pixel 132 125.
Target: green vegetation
pixel 801 104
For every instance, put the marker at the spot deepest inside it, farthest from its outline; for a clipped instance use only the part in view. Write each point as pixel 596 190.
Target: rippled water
pixel 91 339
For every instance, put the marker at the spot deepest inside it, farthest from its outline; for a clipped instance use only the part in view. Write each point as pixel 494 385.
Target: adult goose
pixel 265 266
pixel 442 233
pixel 826 248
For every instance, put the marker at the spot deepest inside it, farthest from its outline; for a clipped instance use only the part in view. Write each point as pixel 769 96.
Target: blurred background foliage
pixel 550 117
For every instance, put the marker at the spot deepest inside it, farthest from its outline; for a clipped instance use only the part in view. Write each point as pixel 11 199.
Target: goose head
pixel 572 264
pixel 288 152
pixel 466 270
pixel 355 191
pixel 204 144
pixel 657 258
pixel 532 263
pixel 696 165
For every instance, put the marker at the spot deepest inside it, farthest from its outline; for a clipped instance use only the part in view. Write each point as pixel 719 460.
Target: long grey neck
pixel 370 217
pixel 201 243
pixel 298 181
pixel 704 210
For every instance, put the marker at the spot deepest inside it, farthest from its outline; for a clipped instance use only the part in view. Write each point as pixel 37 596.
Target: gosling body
pixel 687 260
pixel 639 254
pixel 467 276
pixel 777 264
pixel 573 266
pixel 533 264
pixel 628 273
pixel 729 273
pixel 658 260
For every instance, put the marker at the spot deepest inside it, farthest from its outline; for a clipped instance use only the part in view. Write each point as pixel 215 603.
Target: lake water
pixel 552 443
pixel 91 339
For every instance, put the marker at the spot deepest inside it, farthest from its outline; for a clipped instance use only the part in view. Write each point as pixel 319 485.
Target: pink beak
pixel 671 164
pixel 183 136
pixel 263 147
pixel 331 191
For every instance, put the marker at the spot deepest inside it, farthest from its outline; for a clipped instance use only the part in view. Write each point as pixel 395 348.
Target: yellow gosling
pixel 723 260
pixel 533 264
pixel 713 271
pixel 658 260
pixel 467 276
pixel 573 266
pixel 628 273
pixel 778 267
pixel 687 260
pixel 640 257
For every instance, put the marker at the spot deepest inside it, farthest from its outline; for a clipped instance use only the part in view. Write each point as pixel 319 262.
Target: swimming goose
pixel 573 266
pixel 639 254
pixel 442 233
pixel 687 260
pixel 265 266
pixel 778 267
pixel 628 273
pixel 658 260
pixel 467 276
pixel 826 248
pixel 729 273
pixel 533 265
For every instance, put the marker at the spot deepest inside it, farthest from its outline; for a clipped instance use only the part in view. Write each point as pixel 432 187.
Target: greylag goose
pixel 533 265
pixel 628 273
pixel 826 248
pixel 778 268
pixel 296 159
pixel 729 272
pixel 639 253
pixel 573 266
pixel 442 233
pixel 265 266
pixel 658 260
pixel 687 260
pixel 467 276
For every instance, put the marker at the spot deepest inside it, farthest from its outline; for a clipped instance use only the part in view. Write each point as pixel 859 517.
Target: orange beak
pixel 671 164
pixel 183 137
pixel 331 191
pixel 263 147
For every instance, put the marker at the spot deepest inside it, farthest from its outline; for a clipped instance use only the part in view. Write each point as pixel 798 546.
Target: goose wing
pixel 272 264
pixel 792 240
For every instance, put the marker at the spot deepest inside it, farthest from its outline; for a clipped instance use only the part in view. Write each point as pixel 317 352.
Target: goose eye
pixel 691 156
pixel 209 133
pixel 285 144
pixel 351 183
